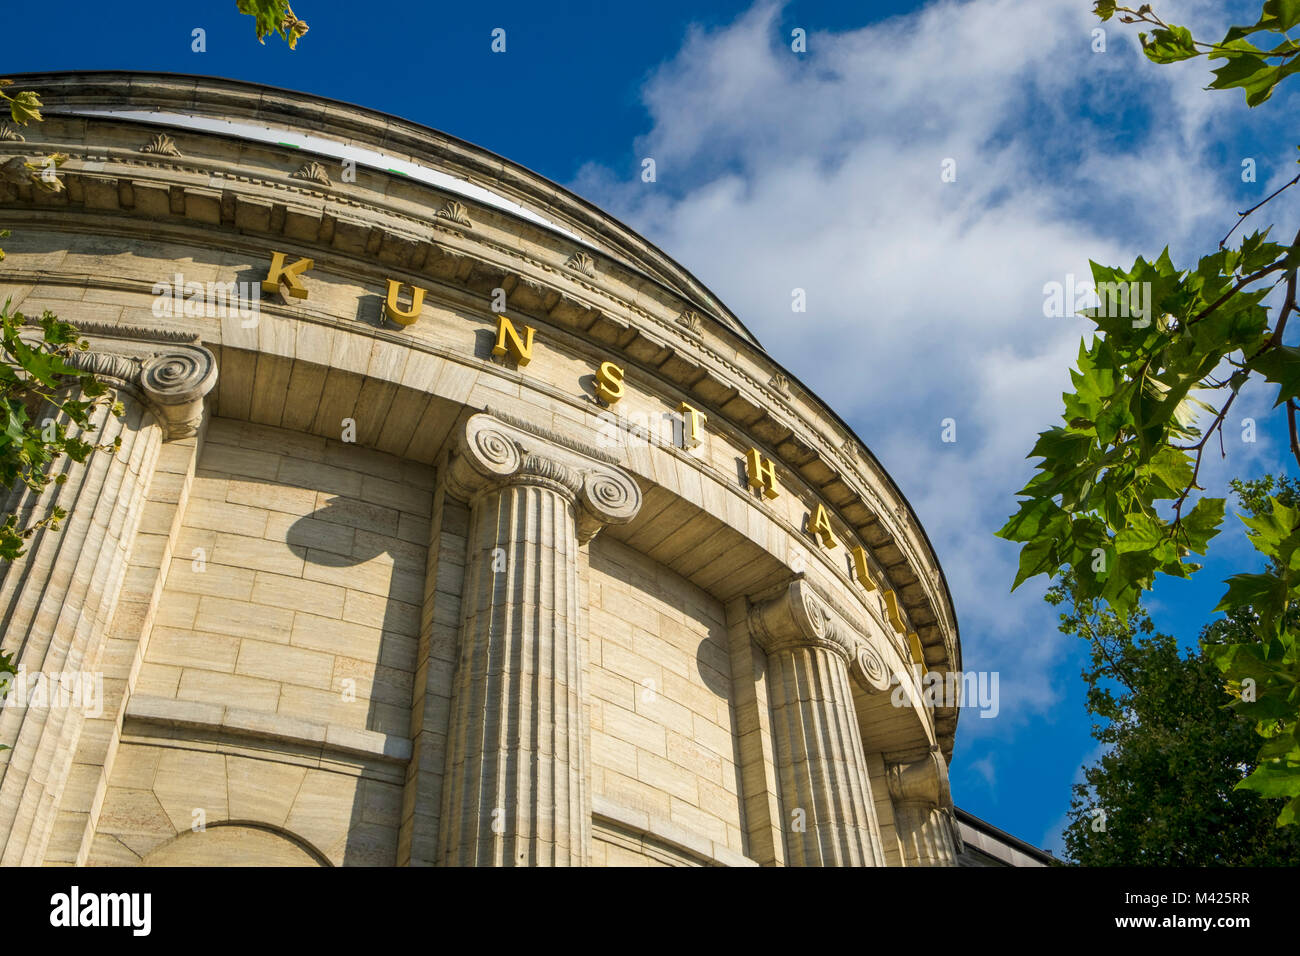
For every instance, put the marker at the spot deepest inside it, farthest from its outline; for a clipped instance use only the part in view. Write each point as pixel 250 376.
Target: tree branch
pixel 1252 209
pixel 1290 420
pixel 1200 452
pixel 1288 306
pixel 1253 277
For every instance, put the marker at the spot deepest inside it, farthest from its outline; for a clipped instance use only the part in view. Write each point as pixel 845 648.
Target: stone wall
pixel 292 605
pixel 662 728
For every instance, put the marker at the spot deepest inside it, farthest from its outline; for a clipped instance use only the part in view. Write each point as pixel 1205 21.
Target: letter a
pixel 820 526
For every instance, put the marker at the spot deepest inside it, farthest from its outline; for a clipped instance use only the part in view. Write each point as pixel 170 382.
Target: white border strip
pixel 360 155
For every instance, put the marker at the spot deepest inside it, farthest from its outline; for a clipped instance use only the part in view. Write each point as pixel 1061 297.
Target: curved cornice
pixel 347 122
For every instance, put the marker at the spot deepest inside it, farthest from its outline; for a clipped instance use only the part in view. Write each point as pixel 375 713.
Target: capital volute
pixel 870 668
pixel 923 780
pixel 170 371
pixel 798 616
pixel 490 453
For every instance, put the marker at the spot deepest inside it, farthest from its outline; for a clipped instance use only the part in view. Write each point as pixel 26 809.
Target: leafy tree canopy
pixel 1116 498
pixel 1164 791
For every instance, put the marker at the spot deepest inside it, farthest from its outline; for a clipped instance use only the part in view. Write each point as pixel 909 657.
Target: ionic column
pixel 830 819
pixel 57 600
pixel 516 791
pixel 923 811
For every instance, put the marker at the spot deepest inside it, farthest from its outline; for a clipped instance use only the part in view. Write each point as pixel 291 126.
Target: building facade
pixel 452 524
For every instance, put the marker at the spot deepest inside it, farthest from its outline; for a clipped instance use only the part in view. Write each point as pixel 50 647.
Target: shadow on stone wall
pixel 310 538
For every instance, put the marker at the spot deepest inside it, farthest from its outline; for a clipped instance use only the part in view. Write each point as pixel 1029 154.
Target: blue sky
pixel 821 171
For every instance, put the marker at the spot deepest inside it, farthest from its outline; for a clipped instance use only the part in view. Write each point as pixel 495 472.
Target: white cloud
pixel 987 772
pixel 925 297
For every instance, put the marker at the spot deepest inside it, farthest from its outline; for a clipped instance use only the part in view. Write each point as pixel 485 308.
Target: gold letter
pixel 918 655
pixel 762 473
pixel 861 569
pixel 395 313
pixel 694 420
pixel 609 383
pixel 287 274
pixel 508 341
pixel 891 605
pixel 820 524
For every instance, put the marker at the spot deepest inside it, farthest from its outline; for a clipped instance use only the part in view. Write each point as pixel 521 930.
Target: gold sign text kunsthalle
pixel 517 343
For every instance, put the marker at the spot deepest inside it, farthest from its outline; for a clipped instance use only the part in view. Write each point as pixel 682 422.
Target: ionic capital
pixel 920 781
pixel 170 371
pixel 490 453
pixel 799 616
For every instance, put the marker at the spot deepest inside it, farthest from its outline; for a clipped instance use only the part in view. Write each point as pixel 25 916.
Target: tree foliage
pixel 1254 69
pixel 1164 791
pixel 44 404
pixel 1116 498
pixel 274 17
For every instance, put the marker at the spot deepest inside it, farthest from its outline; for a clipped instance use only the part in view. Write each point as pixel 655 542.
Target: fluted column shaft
pixel 830 818
pixel 516 791
pixel 57 600
pixel 922 805
pixel 925 832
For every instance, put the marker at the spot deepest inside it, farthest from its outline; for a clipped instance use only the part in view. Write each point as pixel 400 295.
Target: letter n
pixel 509 342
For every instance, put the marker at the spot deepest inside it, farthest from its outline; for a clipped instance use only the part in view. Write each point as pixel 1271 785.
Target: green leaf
pixel 1168 45
pixel 1275 533
pixel 1290 813
pixel 1256 76
pixel 1273 778
pixel 25 107
pixel 1035 558
pixel 1258 591
pixel 1061 444
pixel 1144 533
pixel 1202 523
pixel 1171 470
pixel 1281 14
pixel 1257 252
pixel 1281 366
pixel 1034 518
